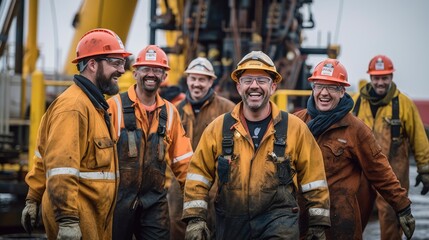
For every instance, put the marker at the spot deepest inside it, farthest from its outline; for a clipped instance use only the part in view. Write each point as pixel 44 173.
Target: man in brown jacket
pixel 200 107
pixel 348 148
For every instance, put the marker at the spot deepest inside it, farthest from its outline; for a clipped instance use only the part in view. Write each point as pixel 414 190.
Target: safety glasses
pixel 248 80
pixel 156 70
pixel 330 88
pixel 114 62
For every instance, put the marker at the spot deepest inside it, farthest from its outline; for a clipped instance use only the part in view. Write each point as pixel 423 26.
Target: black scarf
pixel 368 93
pixel 323 120
pixel 94 94
pixel 196 104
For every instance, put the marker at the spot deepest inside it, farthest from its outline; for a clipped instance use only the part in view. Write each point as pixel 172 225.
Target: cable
pixel 337 27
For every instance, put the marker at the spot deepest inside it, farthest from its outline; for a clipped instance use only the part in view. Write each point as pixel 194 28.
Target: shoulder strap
pixel 395 121
pixel 280 136
pixel 357 105
pixel 162 120
pixel 128 110
pixel 227 141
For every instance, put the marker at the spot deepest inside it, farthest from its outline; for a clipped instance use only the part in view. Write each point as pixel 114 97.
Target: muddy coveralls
pixel 412 137
pixel 75 165
pixel 349 149
pixel 252 203
pixel 194 126
pixel 144 154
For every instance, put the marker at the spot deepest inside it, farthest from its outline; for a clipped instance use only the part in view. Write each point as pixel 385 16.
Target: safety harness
pixel 395 122
pixel 130 123
pixel 395 125
pixel 284 172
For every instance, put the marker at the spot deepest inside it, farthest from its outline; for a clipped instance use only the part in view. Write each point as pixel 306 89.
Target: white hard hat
pixel 202 66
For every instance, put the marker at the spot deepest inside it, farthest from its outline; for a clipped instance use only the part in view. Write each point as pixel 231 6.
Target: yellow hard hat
pixel 259 61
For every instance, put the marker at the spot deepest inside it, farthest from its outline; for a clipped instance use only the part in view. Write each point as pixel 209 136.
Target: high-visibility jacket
pixel 349 149
pixel 412 137
pixel 412 134
pixel 253 188
pixel 75 173
pixel 177 146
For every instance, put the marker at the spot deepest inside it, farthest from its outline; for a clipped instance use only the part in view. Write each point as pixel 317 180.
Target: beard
pixel 106 84
pixel 149 88
pixel 255 106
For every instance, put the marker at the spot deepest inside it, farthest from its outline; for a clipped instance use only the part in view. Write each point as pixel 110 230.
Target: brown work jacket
pixel 349 148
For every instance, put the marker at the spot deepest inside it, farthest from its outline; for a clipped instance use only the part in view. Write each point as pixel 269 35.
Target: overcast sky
pixel 396 28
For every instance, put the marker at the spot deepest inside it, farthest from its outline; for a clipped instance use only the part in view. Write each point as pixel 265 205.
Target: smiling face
pixel 255 88
pixel 107 75
pixel 327 95
pixel 198 85
pixel 381 83
pixel 149 78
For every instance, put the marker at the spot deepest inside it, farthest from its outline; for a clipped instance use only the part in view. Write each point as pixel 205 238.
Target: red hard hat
pixel 380 65
pixel 99 41
pixel 152 55
pixel 330 70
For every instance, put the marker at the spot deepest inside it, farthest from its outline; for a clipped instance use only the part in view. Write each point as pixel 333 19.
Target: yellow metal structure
pixel 281 97
pixel 112 14
pixel 36 112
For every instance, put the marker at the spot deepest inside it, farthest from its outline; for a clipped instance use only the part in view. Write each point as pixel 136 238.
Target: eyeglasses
pixel 114 62
pixel 155 70
pixel 330 88
pixel 200 66
pixel 248 80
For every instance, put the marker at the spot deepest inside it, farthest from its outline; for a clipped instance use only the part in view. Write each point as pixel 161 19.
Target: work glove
pixel 197 230
pixel 407 222
pixel 316 233
pixel 29 219
pixel 423 178
pixel 69 229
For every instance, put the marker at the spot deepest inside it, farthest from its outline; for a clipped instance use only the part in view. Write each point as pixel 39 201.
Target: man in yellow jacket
pixel 75 173
pixel 200 107
pixel 260 157
pixel 151 139
pixel 398 128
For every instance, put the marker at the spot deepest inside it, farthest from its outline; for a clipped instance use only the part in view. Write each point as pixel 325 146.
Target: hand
pixel 69 229
pixel 407 222
pixel 316 233
pixel 197 230
pixel 423 178
pixel 29 217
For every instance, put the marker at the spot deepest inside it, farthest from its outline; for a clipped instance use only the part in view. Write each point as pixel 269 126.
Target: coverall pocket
pixel 333 152
pixel 103 152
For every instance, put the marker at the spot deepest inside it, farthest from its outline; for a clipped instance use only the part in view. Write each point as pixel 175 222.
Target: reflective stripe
pixel 199 178
pixel 318 212
pixel 98 175
pixel 170 113
pixel 62 171
pixel 118 113
pixel 37 153
pixel 313 185
pixel 184 156
pixel 195 204
pixel 84 175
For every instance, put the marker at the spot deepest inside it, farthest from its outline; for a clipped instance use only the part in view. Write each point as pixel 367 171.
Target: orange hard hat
pixel 380 65
pixel 152 55
pixel 99 41
pixel 330 70
pixel 259 61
